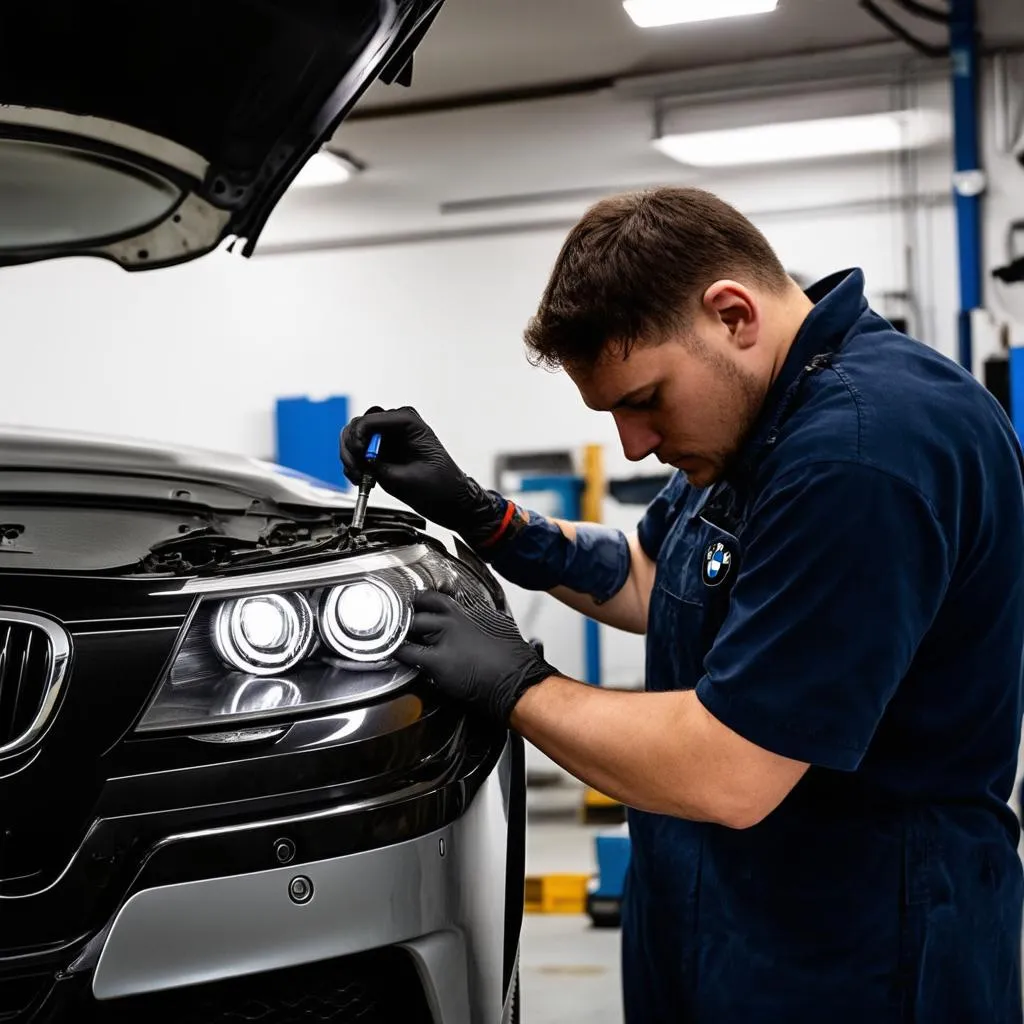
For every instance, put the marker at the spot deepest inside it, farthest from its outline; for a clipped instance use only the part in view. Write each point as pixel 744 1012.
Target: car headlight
pixel 365 620
pixel 265 634
pixel 281 644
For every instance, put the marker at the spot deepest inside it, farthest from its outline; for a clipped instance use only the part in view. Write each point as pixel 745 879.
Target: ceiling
pixel 483 46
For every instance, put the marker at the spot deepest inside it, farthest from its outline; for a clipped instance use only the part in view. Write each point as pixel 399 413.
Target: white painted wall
pixel 198 354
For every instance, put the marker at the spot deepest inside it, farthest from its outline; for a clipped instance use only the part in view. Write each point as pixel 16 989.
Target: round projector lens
pixel 364 620
pixel 264 624
pixel 362 610
pixel 265 634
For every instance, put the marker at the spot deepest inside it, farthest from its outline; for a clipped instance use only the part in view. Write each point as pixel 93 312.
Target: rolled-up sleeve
pixel 843 570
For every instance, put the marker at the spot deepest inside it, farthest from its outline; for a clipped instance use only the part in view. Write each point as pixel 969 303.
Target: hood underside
pixel 147 133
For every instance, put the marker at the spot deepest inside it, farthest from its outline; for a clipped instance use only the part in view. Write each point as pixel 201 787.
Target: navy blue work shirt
pixel 852 596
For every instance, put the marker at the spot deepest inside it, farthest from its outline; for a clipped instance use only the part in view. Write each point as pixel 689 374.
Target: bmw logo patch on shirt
pixel 717 564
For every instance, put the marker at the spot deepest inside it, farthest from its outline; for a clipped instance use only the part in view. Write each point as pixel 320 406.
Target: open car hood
pixel 147 133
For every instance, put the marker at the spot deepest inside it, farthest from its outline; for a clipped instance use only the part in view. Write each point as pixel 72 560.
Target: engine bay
pixel 162 542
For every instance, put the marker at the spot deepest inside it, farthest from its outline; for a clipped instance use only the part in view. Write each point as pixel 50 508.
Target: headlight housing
pixel 281 644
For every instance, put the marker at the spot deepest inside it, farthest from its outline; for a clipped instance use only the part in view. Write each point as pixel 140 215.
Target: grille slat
pixel 33 659
pixel 19 696
pixel 6 695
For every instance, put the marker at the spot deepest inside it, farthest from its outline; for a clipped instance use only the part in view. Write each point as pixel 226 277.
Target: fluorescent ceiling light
pixel 803 140
pixel 657 13
pixel 324 168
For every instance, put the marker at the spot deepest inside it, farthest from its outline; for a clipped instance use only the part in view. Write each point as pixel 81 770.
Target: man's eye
pixel 641 404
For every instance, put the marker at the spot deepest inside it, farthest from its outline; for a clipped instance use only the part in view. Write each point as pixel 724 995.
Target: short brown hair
pixel 632 268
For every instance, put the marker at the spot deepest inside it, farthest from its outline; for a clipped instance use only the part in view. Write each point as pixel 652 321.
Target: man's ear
pixel 736 308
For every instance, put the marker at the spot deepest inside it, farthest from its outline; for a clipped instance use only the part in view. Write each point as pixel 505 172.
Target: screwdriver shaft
pixel 366 484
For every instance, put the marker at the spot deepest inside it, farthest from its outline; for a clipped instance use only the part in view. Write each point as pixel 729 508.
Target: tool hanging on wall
pixel 1013 272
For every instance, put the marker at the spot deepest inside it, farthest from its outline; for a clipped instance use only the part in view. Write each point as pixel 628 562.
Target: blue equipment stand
pixel 604 900
pixel 307 437
pixel 1017 389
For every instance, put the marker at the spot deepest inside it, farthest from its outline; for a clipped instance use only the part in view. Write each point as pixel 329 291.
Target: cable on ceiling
pixel 928 49
pixel 924 11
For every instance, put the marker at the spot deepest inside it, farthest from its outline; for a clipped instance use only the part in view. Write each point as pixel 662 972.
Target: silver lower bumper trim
pixel 441 896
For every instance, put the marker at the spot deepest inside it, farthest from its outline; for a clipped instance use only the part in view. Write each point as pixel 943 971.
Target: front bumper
pixel 441 896
pixel 442 909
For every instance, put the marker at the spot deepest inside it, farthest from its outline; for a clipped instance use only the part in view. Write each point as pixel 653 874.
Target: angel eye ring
pixel 265 634
pixel 364 620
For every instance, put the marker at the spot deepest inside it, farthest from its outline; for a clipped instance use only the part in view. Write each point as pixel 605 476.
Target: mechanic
pixel 818 773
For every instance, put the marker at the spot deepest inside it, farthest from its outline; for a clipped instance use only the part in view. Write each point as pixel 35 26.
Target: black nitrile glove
pixel 477 656
pixel 415 468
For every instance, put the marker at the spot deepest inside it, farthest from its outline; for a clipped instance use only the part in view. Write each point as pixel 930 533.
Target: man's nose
pixel 638 439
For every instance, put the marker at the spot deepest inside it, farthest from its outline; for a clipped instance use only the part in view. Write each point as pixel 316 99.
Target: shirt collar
pixel 838 303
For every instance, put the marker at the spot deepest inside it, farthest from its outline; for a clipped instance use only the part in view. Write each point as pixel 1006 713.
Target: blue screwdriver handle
pixel 365 485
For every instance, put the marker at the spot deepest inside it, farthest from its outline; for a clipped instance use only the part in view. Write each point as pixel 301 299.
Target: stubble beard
pixel 750 395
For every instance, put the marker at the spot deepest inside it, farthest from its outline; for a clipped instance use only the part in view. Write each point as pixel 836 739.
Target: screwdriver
pixel 366 483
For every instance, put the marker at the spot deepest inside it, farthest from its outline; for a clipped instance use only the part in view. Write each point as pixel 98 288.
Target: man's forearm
pixel 596 571
pixel 631 746
pixel 627 610
pixel 537 552
pixel 660 752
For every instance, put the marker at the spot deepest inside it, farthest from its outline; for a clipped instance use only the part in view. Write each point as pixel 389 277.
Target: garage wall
pixel 380 290
pixel 376 290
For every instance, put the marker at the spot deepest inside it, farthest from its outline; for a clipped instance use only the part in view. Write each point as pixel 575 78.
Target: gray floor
pixel 569 970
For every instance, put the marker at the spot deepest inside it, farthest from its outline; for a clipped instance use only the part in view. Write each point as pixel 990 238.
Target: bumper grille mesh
pixel 372 988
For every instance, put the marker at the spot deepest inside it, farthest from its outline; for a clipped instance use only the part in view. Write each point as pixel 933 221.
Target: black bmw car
pixel 221 799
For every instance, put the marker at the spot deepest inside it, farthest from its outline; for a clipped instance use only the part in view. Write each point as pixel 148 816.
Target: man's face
pixel 688 401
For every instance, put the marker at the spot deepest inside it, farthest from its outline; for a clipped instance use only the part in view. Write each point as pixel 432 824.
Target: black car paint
pixel 88 815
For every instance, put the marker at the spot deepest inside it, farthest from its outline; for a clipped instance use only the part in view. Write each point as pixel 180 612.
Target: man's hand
pixel 415 468
pixel 477 656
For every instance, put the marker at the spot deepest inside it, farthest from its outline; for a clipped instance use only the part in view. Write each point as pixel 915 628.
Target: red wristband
pixel 506 519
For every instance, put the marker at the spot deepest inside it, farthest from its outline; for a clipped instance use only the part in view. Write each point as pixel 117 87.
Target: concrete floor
pixel 569 972
pixel 569 969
